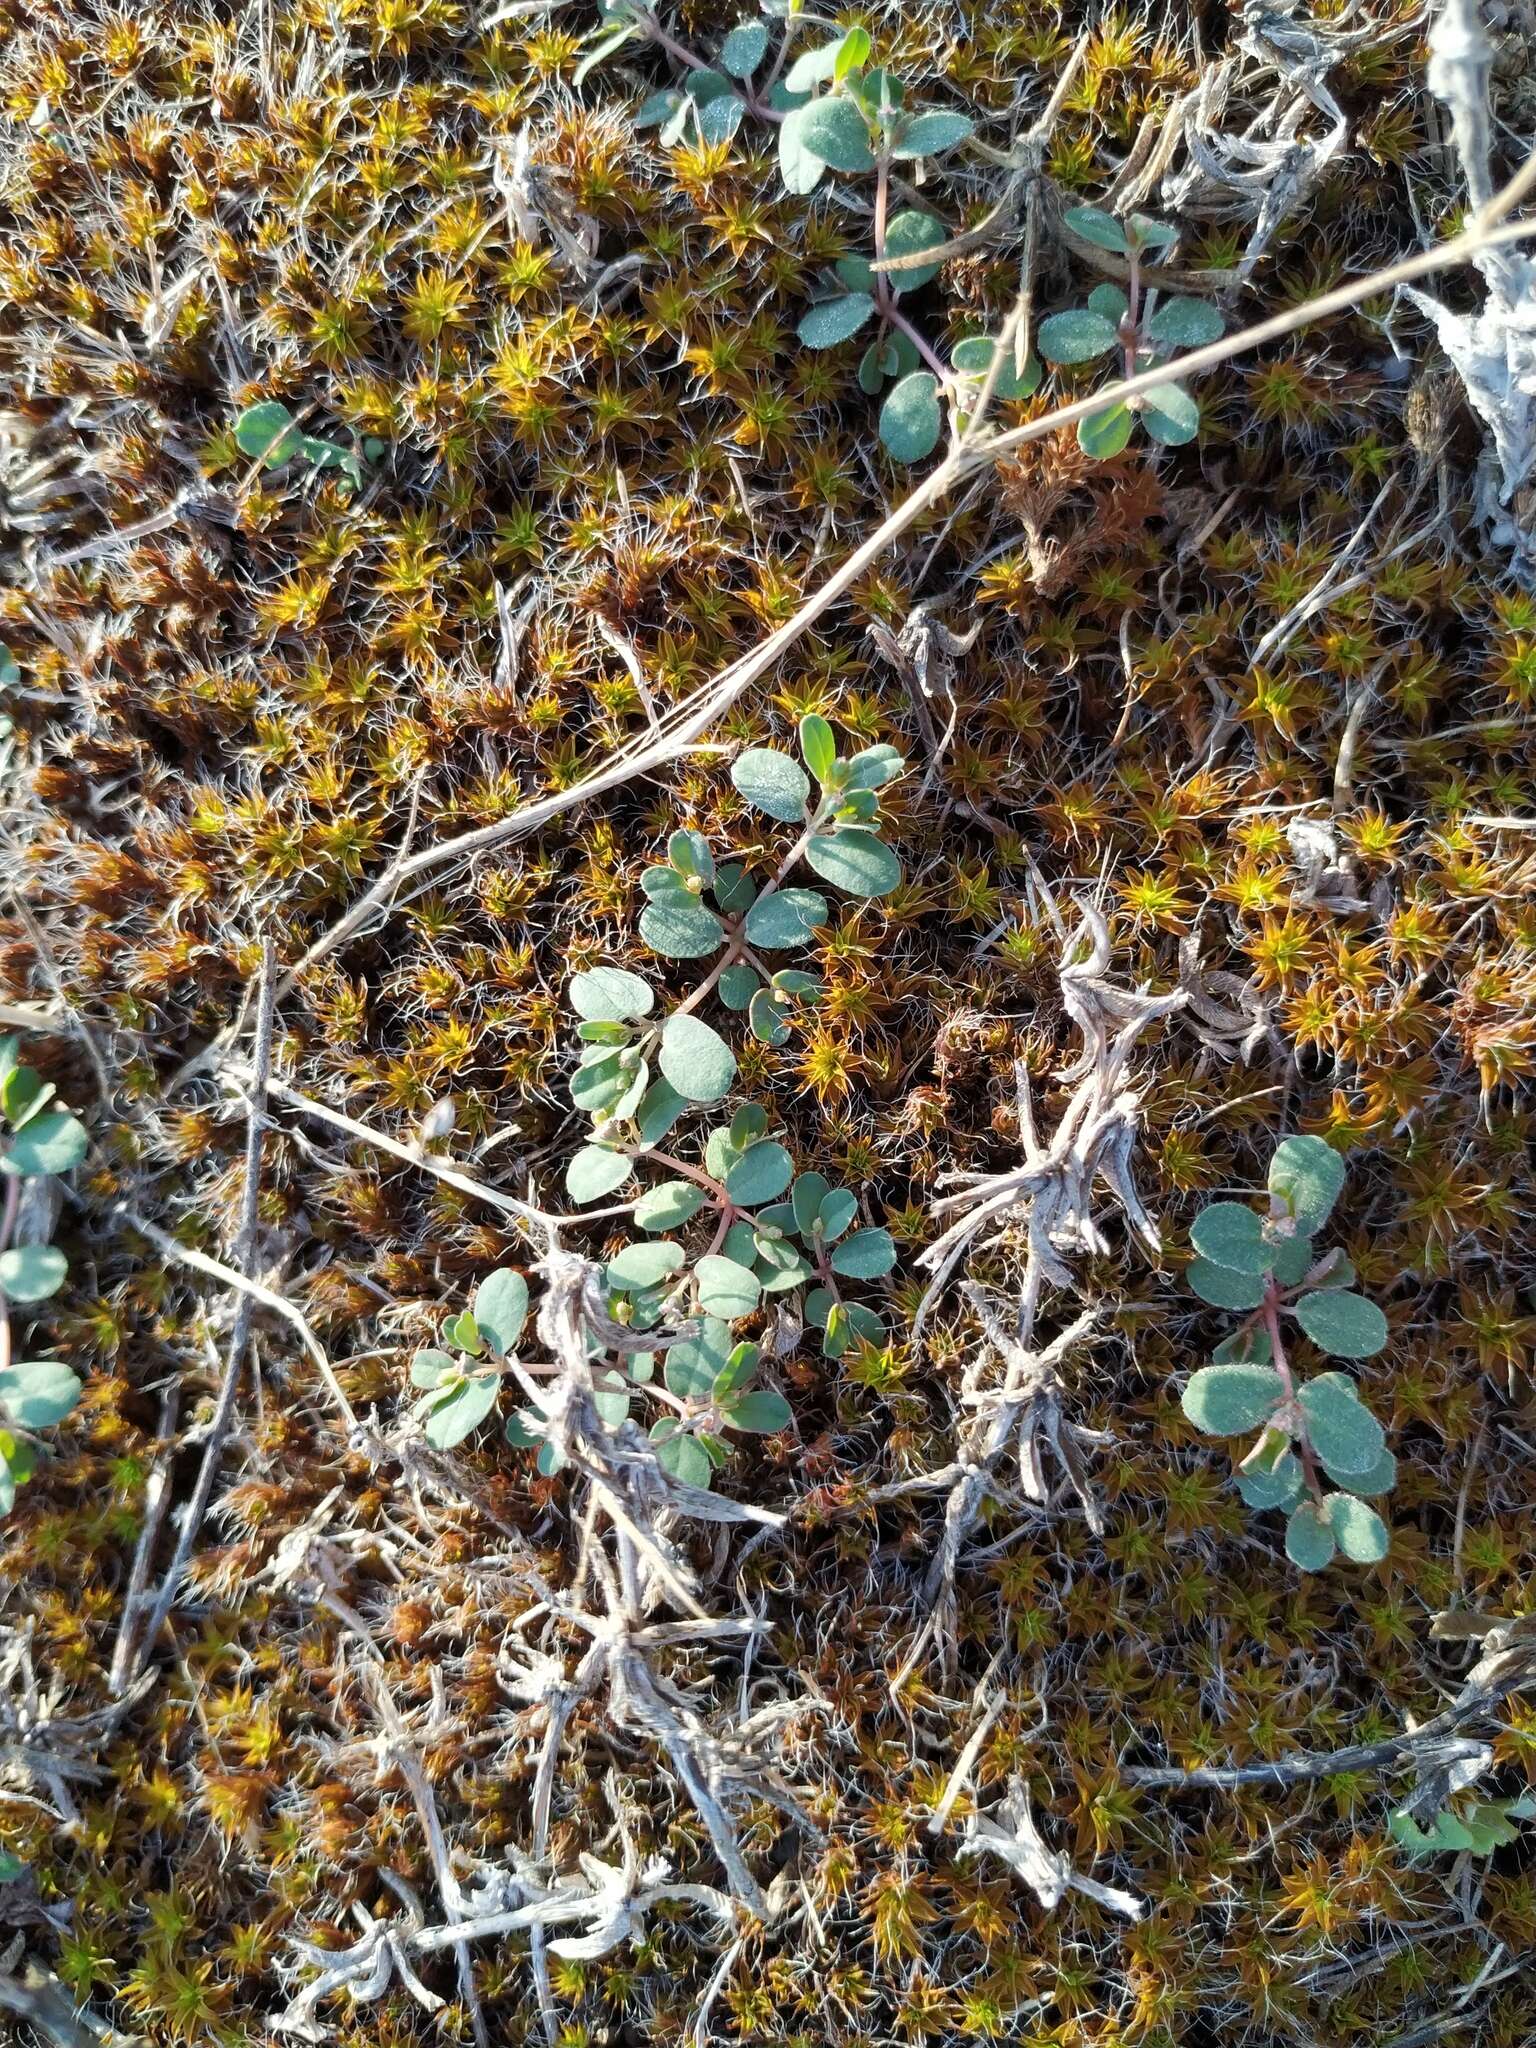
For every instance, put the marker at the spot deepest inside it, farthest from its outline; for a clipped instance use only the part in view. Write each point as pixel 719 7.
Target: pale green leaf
pixel 1096 226
pixel 834 320
pixel 725 1289
pixel 680 1454
pixel 1343 1431
pixel 799 166
pixel 835 131
pixel 865 1256
pixel 1232 1236
pixel 818 746
pixel 907 233
pixel 1077 336
pixel 501 1307
pixel 31 1272
pixel 742 50
pixel 761 1174
pixel 1306 1178
pixel 428 1367
pixel 1104 434
pixel 462 1411
pixel 51 1142
pixel 1344 1325
pixel 1185 323
pixel 695 1059
pixel 1227 1400
pixel 772 782
pixel 595 1172
pixel 762 1413
pixel 669 1205
pixel 855 861
pixel 644 1265
pixel 910 419
pixel 691 1368
pixel 1309 1540
pixel 1357 1529
pixel 682 931
pixel 931 132
pixel 1170 415
pixel 1223 1288
pixel 39 1391
pixel 657 1111
pixel 787 918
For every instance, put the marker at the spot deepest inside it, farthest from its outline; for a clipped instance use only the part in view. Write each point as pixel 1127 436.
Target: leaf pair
pixel 457 1396
pixel 1318 1530
pixel 266 430
pixel 848 852
pixel 862 118
pixel 43 1140
pixel 716 1374
pixel 1248 1261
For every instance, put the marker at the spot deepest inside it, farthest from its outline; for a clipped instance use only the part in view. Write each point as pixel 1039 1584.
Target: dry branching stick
pixel 240 1283
pixel 240 1330
pixel 1051 1194
pixel 1508 1665
pixel 679 728
pixel 416 1156
pixel 399 1747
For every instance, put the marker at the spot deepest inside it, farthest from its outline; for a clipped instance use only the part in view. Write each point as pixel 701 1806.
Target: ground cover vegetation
pixel 765 1132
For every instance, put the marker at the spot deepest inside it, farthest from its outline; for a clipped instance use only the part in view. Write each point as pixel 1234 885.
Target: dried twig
pixel 1009 1832
pixel 241 1284
pixel 156 1500
pixel 240 1331
pixel 682 727
pixel 1052 1194
pixel 1507 1665
pixel 1492 348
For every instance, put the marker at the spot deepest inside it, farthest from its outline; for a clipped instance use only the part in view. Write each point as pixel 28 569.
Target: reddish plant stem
pixel 693 1173
pixel 1282 1367
pixel 736 944
pixel 681 54
pixel 885 294
pixel 900 320
pixel 1133 313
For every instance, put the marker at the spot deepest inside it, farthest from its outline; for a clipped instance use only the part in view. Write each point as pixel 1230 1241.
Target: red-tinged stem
pixel 885 295
pixel 900 321
pixel 1133 314
pixel 1282 1367
pixel 693 1173
pixel 736 945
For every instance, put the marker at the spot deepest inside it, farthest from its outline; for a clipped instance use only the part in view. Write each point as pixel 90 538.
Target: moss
pixel 233 717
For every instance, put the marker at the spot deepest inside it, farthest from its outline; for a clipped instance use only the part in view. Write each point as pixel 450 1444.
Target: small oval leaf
pixel 826 325
pixel 1342 1324
pixel 1076 336
pixel 695 1059
pixel 856 861
pixel 772 782
pixel 910 418
pixel 1228 1400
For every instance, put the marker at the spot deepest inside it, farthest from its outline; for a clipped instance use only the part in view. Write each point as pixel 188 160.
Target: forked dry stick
pixel 1507 1666
pixel 1051 1196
